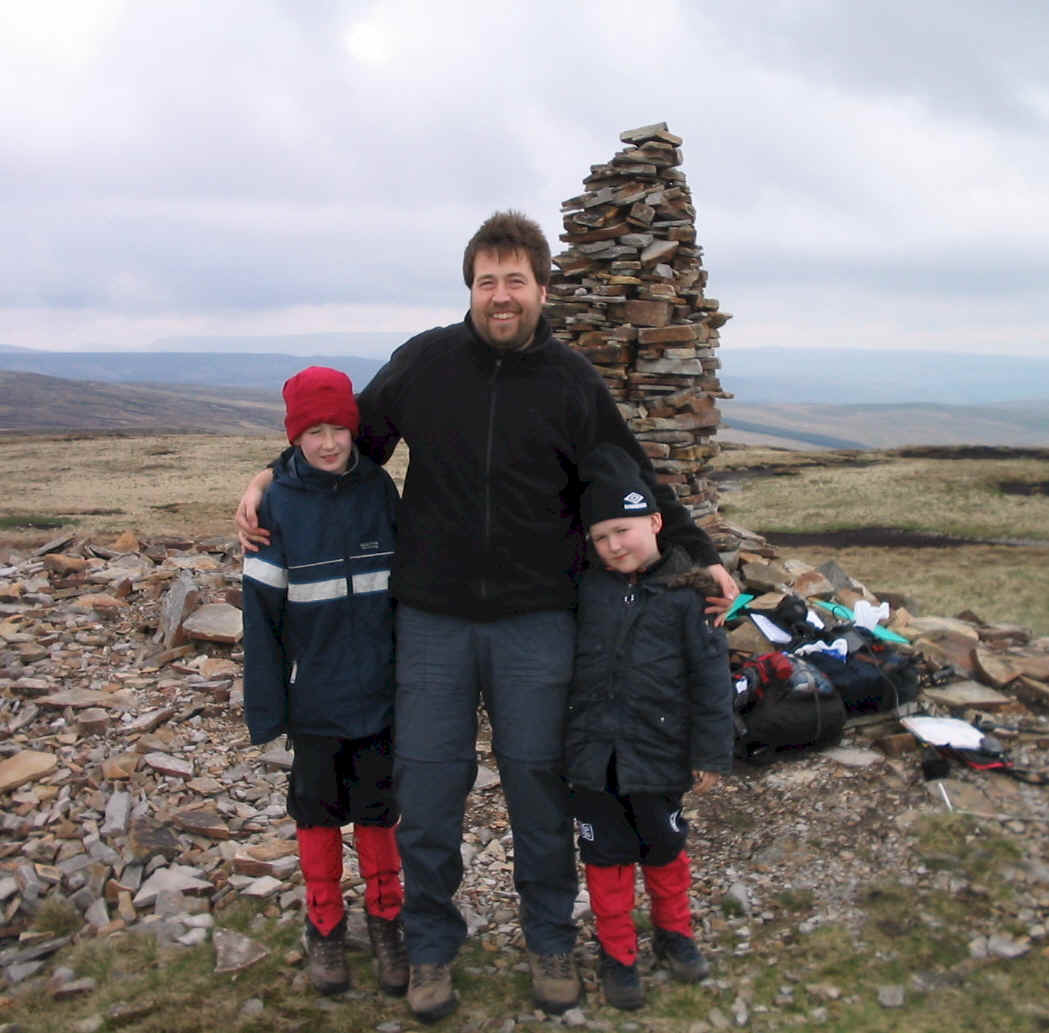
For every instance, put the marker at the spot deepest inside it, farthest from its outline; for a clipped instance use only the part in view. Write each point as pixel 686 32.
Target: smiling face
pixel 627 544
pixel 506 300
pixel 326 447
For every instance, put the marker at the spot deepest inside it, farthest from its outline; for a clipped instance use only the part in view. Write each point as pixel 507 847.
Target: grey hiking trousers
pixel 521 667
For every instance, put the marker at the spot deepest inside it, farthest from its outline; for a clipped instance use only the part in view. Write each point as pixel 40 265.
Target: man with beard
pixel 497 415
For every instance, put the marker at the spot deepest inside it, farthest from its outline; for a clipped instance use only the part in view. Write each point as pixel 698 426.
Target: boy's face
pixel 627 544
pixel 326 447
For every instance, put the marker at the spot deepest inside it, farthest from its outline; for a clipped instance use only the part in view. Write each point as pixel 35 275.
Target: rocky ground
pixel 130 790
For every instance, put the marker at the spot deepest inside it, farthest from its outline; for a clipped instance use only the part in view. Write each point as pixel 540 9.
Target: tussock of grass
pixel 57 917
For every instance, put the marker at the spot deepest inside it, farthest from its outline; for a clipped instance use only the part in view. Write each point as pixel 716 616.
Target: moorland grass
pixel 957 497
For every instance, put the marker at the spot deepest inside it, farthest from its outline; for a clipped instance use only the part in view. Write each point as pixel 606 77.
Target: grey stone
pixel 890 996
pixel 235 952
pixel 97 914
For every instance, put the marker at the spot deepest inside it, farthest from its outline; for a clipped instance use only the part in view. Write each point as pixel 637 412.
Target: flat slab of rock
pixel 25 766
pixel 1001 668
pixel 147 838
pixel 277 757
pixel 168 765
pixel 216 622
pixel 262 887
pixel 852 757
pixel 83 698
pixel 202 822
pixel 148 722
pixel 100 601
pixel 178 878
pixel 967 694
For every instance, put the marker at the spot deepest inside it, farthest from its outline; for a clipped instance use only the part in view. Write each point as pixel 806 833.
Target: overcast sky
pixel 866 174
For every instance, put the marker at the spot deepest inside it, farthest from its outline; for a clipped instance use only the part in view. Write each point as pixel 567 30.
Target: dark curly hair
pixel 505 233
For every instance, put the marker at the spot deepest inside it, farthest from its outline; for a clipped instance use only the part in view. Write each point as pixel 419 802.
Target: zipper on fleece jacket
pixel 488 470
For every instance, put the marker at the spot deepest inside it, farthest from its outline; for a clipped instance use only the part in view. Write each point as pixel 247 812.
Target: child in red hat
pixel 318 667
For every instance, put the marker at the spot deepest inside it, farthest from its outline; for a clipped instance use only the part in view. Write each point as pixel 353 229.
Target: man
pixel 497 415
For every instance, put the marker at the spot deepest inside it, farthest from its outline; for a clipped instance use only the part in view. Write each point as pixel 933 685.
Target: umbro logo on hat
pixel 635 500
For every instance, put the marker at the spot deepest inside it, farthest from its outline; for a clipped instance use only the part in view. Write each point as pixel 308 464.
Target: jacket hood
pixel 678 570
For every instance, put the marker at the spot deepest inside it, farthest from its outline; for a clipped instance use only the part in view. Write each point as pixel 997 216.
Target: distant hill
pixel 805 426
pixel 867 376
pixel 263 370
pixel 33 402
pixel 754 375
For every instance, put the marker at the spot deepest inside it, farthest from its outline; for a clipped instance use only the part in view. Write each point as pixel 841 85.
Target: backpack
pixel 784 704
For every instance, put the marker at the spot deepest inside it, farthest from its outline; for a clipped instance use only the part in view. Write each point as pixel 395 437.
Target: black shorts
pixel 337 781
pixel 614 828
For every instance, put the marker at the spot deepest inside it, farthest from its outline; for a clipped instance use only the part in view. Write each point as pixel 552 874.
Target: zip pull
pixel 631 597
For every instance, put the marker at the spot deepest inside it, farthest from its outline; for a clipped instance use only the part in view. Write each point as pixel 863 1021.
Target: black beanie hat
pixel 613 487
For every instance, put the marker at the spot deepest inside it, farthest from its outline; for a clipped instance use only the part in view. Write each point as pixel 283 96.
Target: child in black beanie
pixel 650 704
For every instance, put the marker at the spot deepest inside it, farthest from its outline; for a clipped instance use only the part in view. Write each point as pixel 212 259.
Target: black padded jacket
pixel 651 683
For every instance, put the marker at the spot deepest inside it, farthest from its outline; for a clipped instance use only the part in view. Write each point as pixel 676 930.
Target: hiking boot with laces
pixel 326 958
pixel 555 981
pixel 681 955
pixel 387 939
pixel 620 983
pixel 430 993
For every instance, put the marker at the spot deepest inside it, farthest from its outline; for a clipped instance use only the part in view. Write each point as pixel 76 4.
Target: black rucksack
pixel 784 705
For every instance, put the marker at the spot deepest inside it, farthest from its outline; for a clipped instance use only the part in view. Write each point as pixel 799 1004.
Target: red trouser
pixel 320 857
pixel 667 887
pixel 612 902
pixel 380 866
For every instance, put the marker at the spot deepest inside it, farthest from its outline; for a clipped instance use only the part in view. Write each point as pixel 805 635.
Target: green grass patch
pixel 146 988
pixel 31 522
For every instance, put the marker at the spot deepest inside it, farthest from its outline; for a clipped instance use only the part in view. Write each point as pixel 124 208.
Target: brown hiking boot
pixel 391 959
pixel 555 981
pixel 326 958
pixel 430 993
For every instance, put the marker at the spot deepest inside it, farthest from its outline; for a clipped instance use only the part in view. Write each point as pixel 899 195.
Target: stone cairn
pixel 628 294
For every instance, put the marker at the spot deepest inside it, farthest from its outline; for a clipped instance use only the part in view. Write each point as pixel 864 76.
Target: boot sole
pixel 394 989
pixel 631 1005
pixel 682 975
pixel 438 1012
pixel 555 1007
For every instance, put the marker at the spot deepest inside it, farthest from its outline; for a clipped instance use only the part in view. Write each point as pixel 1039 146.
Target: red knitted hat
pixel 318 394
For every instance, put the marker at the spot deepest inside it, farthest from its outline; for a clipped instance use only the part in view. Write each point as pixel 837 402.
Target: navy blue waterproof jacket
pixel 651 683
pixel 489 521
pixel 318 614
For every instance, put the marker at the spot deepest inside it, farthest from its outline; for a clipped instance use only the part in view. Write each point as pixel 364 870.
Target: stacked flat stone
pixel 628 294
